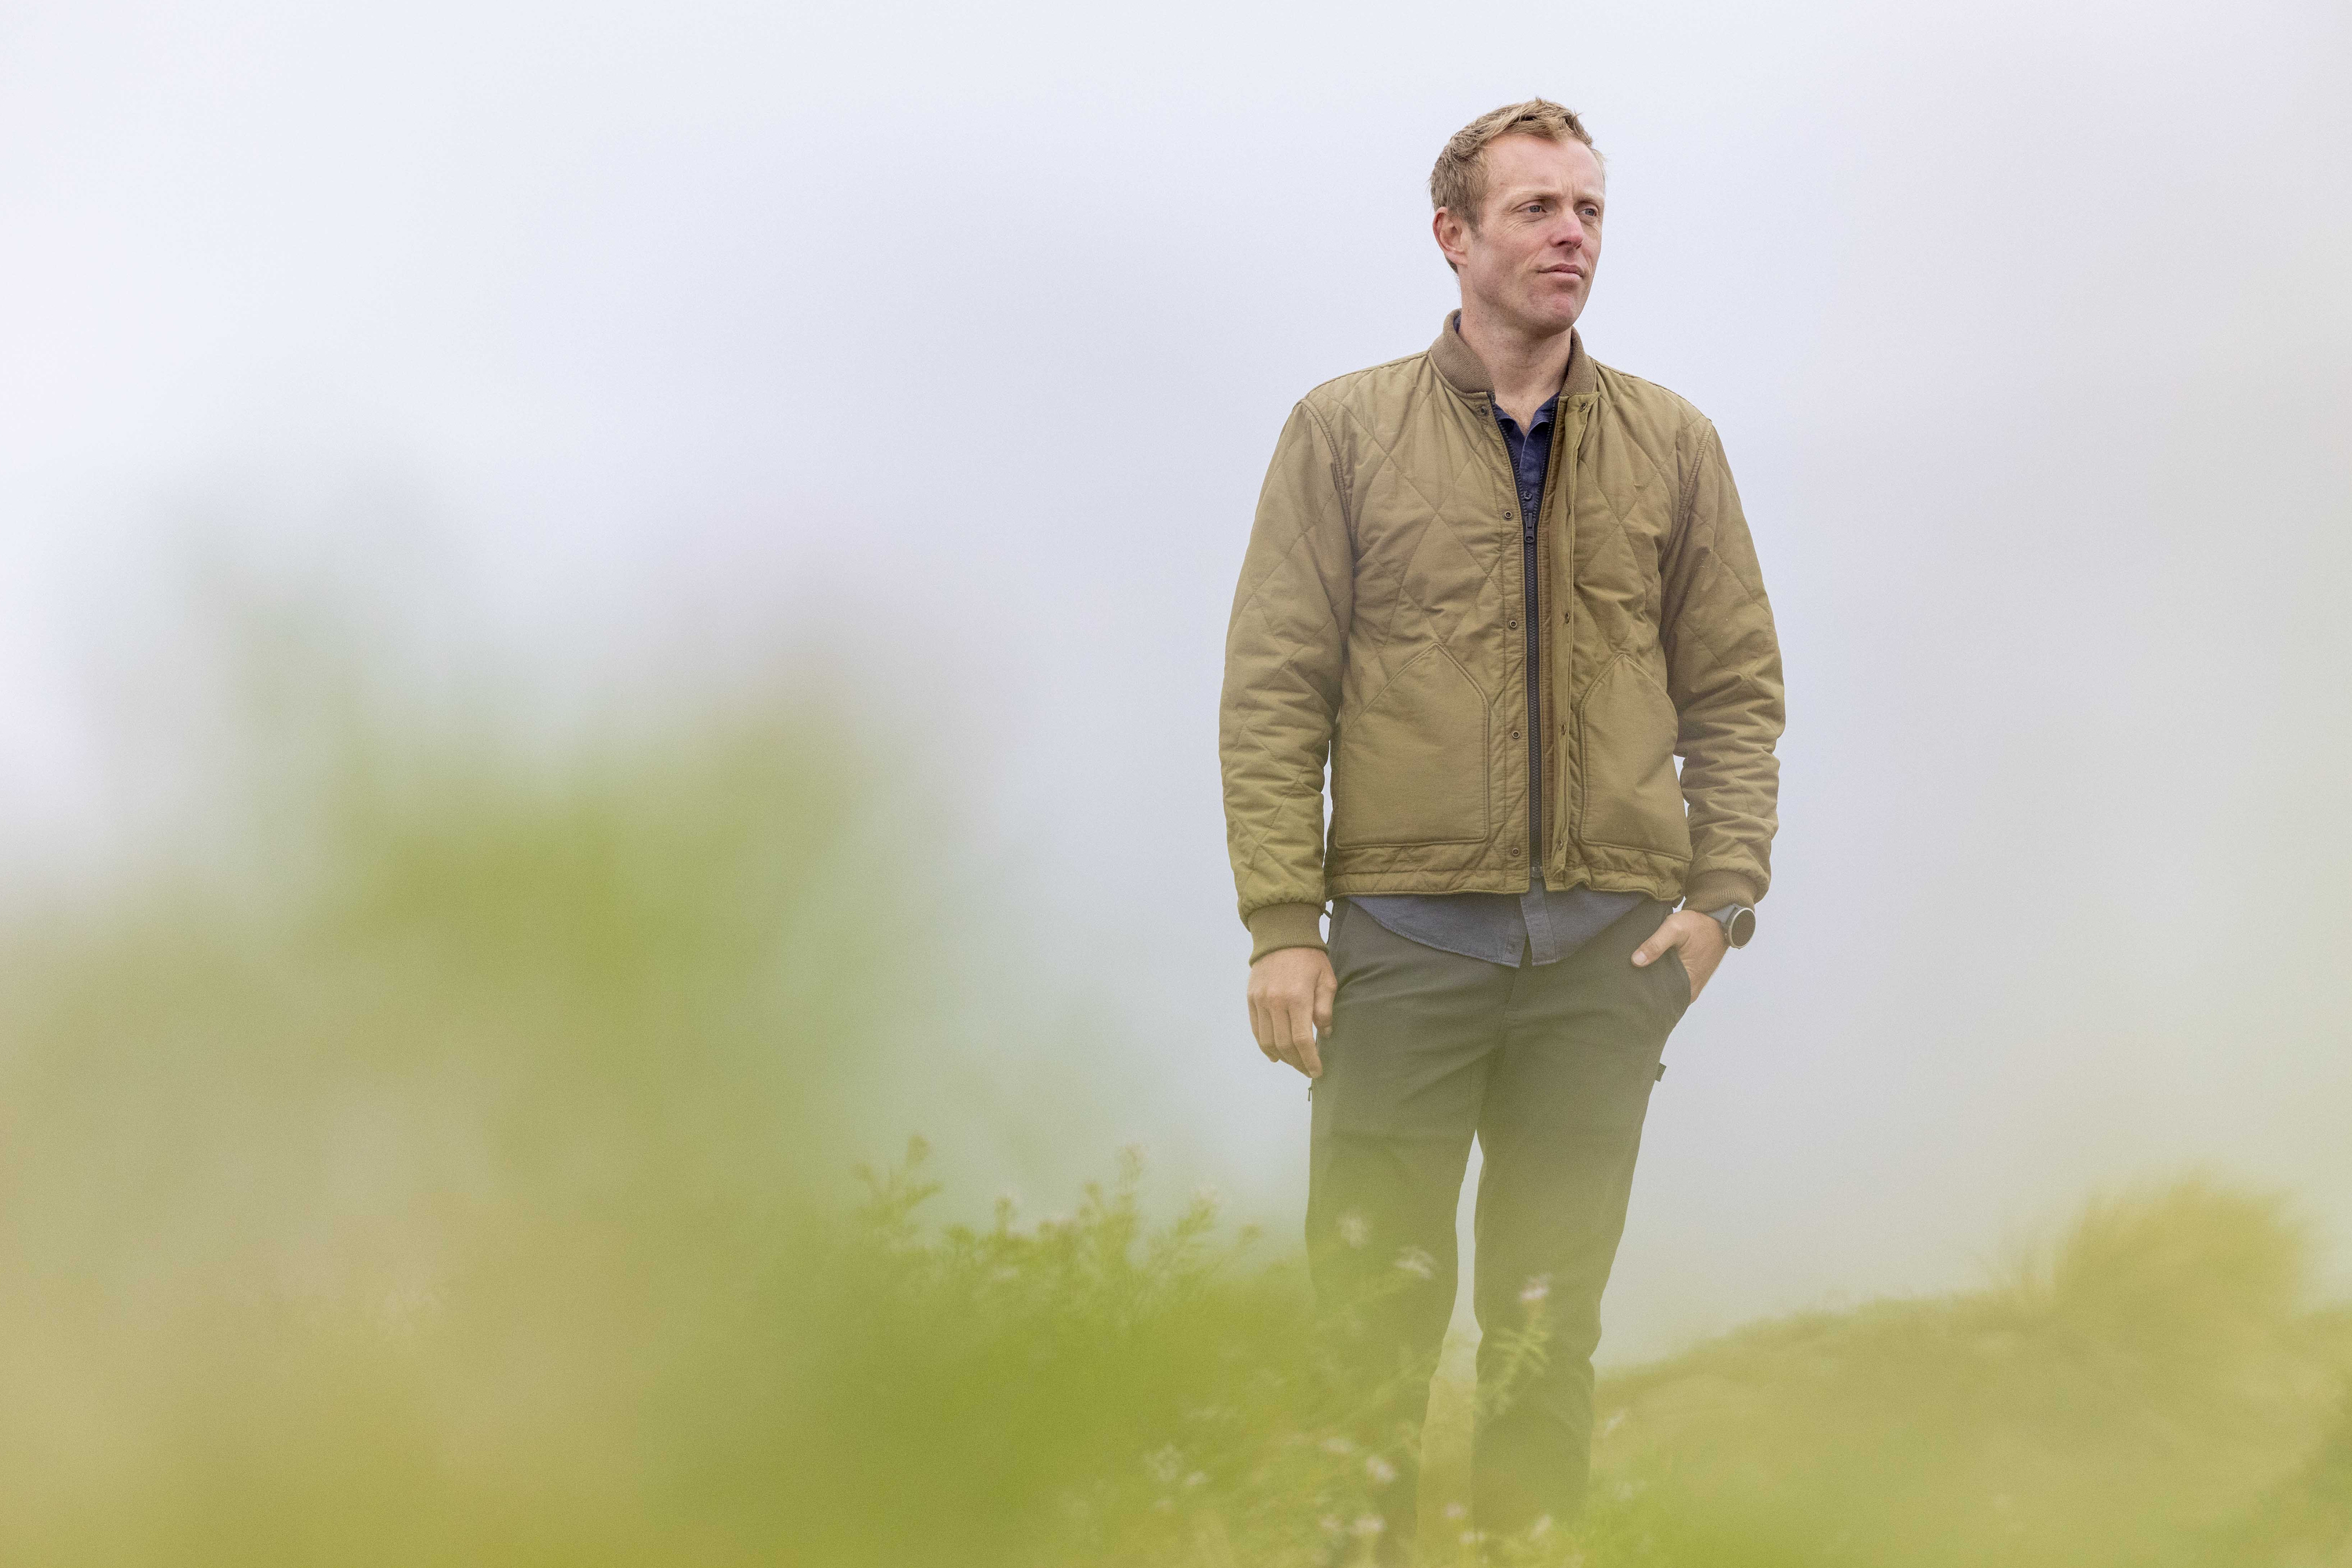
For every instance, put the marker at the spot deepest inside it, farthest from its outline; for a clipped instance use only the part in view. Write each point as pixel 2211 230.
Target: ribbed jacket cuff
pixel 1710 890
pixel 1284 925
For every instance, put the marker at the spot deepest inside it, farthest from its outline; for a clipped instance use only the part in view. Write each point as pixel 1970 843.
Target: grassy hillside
pixel 2145 1391
pixel 455 1174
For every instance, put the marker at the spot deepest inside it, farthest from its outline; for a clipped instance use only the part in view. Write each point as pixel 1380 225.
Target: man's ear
pixel 1448 230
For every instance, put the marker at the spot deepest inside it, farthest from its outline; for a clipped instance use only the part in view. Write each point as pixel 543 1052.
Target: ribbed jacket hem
pixel 1284 925
pixel 1710 890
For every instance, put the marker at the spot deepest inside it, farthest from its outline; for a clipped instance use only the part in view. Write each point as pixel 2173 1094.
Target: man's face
pixel 1530 262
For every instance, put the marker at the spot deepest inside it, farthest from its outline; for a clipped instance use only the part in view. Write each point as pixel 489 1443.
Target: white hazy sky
pixel 955 339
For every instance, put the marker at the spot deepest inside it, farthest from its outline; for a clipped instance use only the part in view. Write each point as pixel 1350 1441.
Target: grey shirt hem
pixel 1539 926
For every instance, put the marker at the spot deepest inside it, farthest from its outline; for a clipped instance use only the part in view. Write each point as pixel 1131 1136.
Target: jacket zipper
pixel 1530 611
pixel 1577 423
pixel 1559 475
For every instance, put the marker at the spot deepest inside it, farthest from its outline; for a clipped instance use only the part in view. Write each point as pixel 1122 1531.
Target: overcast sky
pixel 954 340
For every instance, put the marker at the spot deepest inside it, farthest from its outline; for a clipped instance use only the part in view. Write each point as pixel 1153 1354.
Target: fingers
pixel 1303 1055
pixel 1290 1001
pixel 1277 1013
pixel 1311 1022
pixel 1278 1023
pixel 1294 1032
pixel 1698 936
pixel 1277 1044
pixel 1287 1036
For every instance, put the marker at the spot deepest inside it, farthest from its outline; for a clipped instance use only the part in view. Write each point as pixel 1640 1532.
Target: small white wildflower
pixel 1197 1478
pixel 1540 1528
pixel 1616 1419
pixel 1455 1511
pixel 1164 1464
pixel 1339 1446
pixel 1624 1491
pixel 1353 1230
pixel 1533 1292
pixel 1416 1262
pixel 1370 1524
pixel 1331 1525
pixel 1380 1470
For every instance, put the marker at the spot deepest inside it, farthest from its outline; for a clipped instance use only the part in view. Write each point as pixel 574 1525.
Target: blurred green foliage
pixel 2149 1389
pixel 459 1171
pixel 456 1174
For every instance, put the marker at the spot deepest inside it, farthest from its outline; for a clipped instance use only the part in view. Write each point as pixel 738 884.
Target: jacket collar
pixel 1466 372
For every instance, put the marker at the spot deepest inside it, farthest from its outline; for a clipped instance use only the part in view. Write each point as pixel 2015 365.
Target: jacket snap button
pixel 1514 851
pixel 1514 625
pixel 1515 735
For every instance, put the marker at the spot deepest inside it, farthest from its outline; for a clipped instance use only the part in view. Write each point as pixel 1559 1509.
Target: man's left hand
pixel 1700 936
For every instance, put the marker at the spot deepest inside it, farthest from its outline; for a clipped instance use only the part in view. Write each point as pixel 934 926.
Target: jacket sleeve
pixel 1723 668
pixel 1284 650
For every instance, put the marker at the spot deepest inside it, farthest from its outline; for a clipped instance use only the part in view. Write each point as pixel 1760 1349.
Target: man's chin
pixel 1552 317
pixel 1540 317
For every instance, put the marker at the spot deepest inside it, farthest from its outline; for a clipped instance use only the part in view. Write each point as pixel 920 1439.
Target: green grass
pixel 460 1175
pixel 2131 1396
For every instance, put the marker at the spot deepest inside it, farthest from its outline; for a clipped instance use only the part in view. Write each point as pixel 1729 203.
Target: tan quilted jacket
pixel 1377 626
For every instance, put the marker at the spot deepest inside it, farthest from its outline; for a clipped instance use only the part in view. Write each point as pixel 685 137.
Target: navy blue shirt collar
pixel 1530 456
pixel 1541 417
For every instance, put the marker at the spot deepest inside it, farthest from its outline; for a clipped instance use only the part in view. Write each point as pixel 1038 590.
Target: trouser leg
pixel 1404 1067
pixel 1559 1126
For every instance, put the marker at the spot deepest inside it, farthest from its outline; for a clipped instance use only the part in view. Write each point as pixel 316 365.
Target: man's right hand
pixel 1290 993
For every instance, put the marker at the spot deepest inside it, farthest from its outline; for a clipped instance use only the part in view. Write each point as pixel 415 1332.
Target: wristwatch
pixel 1739 922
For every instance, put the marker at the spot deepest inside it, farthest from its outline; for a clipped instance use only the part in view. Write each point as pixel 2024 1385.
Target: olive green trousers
pixel 1550 1068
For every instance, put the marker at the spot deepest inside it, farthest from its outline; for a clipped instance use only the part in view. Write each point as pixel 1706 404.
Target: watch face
pixel 1740 927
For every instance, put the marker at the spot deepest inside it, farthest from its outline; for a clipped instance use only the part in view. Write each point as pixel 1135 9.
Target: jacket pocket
pixel 1632 798
pixel 1410 766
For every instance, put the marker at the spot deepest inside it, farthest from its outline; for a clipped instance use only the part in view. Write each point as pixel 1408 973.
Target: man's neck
pixel 1527 371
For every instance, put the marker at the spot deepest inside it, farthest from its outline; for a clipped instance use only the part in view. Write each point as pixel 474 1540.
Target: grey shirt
pixel 1539 926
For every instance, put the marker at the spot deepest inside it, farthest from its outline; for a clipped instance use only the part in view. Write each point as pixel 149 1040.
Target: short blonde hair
pixel 1458 184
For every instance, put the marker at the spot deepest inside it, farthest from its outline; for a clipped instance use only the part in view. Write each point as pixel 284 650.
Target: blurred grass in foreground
pixel 460 1181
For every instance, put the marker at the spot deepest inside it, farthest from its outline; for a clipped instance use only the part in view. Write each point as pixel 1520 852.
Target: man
pixel 1500 588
